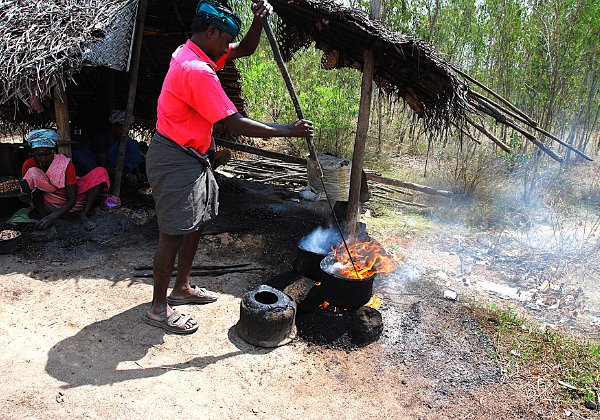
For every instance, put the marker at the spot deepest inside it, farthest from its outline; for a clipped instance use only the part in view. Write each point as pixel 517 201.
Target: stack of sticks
pixel 267 170
pixel 272 171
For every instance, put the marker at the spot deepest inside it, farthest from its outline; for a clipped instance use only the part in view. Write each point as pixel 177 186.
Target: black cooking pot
pixel 343 292
pixel 307 264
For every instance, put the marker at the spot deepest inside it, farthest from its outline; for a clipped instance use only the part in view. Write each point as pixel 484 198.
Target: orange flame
pixel 333 309
pixel 374 303
pixel 369 258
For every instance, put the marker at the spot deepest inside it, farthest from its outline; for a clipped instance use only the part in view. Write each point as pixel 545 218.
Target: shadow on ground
pixel 108 351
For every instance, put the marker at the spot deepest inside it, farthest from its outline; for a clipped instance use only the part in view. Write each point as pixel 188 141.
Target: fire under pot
pixel 343 292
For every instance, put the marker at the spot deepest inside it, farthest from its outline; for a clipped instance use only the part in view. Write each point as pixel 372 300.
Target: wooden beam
pixel 61 110
pixel 260 152
pixel 133 78
pixel 409 185
pixel 487 106
pixel 493 138
pixel 362 129
pixel 530 122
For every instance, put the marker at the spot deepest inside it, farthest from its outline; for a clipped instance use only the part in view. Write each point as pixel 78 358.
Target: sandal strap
pixel 178 319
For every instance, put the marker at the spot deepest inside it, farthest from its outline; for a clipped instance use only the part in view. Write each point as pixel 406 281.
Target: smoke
pixel 394 284
pixel 321 240
pixel 549 217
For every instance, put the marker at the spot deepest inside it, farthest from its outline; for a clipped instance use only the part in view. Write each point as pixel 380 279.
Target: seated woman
pixel 56 190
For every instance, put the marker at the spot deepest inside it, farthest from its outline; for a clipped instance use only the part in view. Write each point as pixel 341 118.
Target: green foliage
pixel 542 55
pixel 328 98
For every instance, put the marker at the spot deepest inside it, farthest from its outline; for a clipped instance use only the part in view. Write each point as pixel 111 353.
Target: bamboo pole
pixel 482 100
pixel 466 133
pixel 530 122
pixel 495 139
pixel 290 87
pixel 362 129
pixel 61 110
pixel 133 78
pixel 510 123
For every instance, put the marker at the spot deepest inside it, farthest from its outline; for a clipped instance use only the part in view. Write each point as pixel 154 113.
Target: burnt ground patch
pixel 431 336
pixel 438 338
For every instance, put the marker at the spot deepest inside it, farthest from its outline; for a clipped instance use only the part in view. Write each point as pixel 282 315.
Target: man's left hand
pixel 262 8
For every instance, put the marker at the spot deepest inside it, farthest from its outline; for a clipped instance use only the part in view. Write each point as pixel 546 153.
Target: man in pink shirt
pixel 186 194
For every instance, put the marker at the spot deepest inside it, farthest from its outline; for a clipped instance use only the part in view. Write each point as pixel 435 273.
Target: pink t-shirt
pixel 192 99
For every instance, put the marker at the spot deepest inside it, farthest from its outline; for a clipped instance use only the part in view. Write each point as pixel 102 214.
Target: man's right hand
pixel 262 8
pixel 301 128
pixel 244 126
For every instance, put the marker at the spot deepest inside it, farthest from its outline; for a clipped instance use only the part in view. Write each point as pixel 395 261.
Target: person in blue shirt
pixel 106 146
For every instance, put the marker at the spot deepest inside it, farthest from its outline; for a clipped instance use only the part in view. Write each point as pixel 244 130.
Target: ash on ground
pixel 439 339
pixel 421 331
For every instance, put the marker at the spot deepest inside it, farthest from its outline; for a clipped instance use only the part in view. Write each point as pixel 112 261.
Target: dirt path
pixel 75 346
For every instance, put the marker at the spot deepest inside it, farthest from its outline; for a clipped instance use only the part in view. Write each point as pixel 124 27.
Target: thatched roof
pixel 74 42
pixel 45 43
pixel 405 66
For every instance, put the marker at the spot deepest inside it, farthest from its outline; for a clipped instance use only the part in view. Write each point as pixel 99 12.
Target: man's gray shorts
pixel 185 190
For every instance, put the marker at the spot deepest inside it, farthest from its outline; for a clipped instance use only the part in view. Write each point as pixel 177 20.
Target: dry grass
pixel 562 369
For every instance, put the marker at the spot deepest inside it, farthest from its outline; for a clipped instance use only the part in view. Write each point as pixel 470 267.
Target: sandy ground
pixel 75 345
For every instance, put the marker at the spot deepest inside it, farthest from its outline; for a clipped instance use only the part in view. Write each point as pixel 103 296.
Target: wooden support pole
pixel 133 78
pixel 362 130
pixel 61 110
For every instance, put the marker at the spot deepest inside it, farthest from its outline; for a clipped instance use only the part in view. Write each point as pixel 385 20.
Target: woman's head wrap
pixel 42 138
pixel 222 17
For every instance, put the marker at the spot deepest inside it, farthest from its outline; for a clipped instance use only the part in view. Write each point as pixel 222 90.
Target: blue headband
pixel 213 13
pixel 42 138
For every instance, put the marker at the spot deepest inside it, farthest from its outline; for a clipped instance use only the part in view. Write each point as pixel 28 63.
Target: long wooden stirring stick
pixel 309 140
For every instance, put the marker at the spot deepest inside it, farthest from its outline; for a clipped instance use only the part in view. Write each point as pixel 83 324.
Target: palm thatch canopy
pixel 73 43
pixel 404 66
pixel 45 43
pixel 84 46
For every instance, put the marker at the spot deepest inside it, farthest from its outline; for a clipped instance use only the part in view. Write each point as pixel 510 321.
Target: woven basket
pixel 336 177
